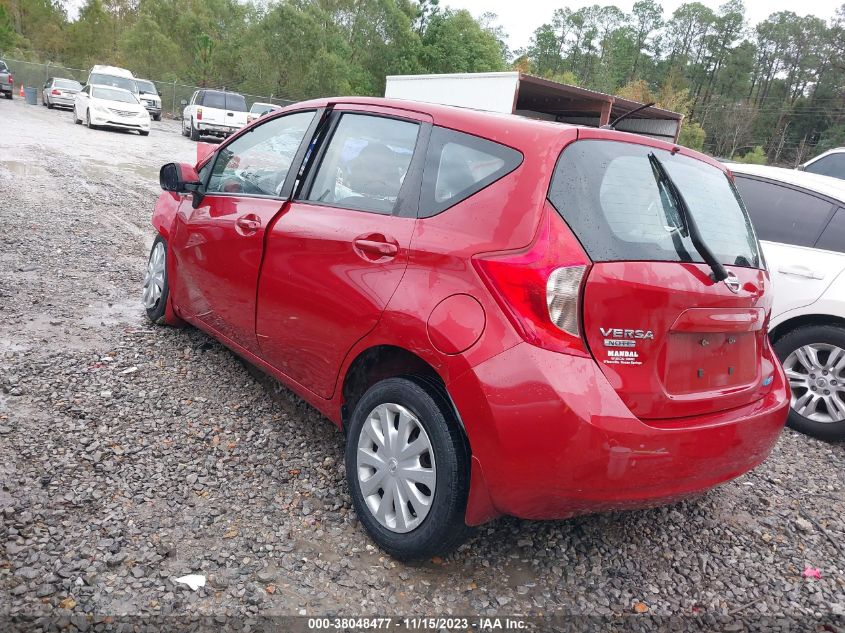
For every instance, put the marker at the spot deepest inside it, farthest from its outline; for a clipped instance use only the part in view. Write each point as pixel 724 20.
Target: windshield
pixel 109 94
pixel 224 101
pixel 100 79
pixel 146 86
pixel 67 84
pixel 607 193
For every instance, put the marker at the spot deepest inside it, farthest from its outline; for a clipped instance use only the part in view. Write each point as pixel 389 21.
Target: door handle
pixel 248 224
pixel 801 271
pixel 375 247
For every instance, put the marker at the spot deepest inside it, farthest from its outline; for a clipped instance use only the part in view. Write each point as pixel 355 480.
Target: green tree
pixel 455 42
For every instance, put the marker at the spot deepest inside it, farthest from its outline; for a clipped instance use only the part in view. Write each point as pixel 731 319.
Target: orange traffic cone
pixel 21 93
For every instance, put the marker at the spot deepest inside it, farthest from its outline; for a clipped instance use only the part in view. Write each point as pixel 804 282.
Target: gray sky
pixel 520 18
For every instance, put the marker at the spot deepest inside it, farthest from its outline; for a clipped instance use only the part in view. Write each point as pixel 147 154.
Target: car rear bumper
pixel 213 128
pixel 551 439
pixel 6 88
pixel 67 102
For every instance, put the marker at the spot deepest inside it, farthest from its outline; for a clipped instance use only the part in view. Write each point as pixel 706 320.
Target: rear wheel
pixel 9 95
pixel 157 117
pixel 156 288
pixel 407 467
pixel 195 133
pixel 145 132
pixel 814 361
pixel 76 118
pixel 49 104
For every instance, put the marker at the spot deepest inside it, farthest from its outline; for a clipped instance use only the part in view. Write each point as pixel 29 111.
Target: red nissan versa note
pixel 505 316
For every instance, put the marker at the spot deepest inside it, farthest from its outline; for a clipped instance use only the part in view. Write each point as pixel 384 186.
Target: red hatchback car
pixel 504 315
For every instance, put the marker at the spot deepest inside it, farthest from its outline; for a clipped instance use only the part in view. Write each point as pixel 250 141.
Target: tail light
pixel 55 92
pixel 199 114
pixel 540 287
pixel 11 79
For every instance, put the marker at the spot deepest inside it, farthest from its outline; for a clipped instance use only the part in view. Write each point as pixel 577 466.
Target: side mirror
pixel 183 102
pixel 179 178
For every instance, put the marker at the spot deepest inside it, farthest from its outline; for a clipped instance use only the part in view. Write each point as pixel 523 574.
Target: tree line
pixel 772 91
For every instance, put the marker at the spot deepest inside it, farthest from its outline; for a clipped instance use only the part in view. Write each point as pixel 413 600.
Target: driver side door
pixel 217 246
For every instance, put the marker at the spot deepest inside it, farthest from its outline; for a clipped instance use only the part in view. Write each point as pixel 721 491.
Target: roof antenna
pixel 612 125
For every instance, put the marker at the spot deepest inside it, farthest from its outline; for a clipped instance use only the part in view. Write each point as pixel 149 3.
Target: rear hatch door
pixel 672 341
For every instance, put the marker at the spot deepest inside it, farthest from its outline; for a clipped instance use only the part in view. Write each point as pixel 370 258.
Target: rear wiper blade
pixel 719 271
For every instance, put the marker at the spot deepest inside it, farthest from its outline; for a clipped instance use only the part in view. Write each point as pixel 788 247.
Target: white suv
pixel 800 221
pixel 831 163
pixel 213 112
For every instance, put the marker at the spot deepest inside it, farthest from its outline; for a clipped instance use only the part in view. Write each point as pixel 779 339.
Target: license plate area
pixel 710 361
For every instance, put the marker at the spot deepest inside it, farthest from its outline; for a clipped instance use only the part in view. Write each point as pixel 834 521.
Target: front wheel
pixel 156 288
pixel 814 361
pixel 88 123
pixel 407 467
pixel 144 132
pixel 76 118
pixel 157 117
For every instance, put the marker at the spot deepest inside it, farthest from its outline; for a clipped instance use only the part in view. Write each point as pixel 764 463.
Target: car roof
pixel 825 185
pixel 512 130
pixel 261 103
pixel 222 92
pixel 112 70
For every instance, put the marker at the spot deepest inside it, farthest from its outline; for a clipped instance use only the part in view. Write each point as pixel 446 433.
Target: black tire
pixel 157 117
pixel 9 96
pixel 144 132
pixel 195 133
pixel 76 119
pixel 49 104
pixel 443 528
pixel 809 335
pixel 88 123
pixel 155 313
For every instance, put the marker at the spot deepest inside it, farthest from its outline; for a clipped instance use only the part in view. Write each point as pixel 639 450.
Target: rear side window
pixel 831 165
pixel 607 193
pixel 833 238
pixel 365 163
pixel 459 165
pixel 781 214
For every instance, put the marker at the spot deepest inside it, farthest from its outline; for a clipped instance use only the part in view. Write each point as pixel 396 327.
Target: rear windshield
pixel 101 79
pixel 67 84
pixel 3 67
pixel 224 101
pixel 607 193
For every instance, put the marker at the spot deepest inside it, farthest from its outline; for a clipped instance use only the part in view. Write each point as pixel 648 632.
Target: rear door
pixel 336 255
pixel 789 222
pixel 671 340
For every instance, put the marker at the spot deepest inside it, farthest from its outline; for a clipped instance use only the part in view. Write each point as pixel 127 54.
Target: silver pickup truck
pixel 7 81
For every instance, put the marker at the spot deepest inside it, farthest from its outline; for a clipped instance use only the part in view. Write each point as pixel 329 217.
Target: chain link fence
pixel 172 93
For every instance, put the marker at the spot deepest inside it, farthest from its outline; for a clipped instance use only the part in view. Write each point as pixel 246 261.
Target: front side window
pixel 781 214
pixel 258 162
pixel 365 163
pixel 459 165
pixel 831 165
pixel 607 193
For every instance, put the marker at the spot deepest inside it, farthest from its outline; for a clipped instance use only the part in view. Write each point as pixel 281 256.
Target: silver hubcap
pixel 154 277
pixel 396 470
pixel 817 376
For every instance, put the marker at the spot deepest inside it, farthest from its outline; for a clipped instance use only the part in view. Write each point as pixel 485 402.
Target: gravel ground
pixel 131 455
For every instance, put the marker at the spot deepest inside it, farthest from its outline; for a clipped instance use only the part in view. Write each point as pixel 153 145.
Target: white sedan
pixel 106 106
pixel 800 220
